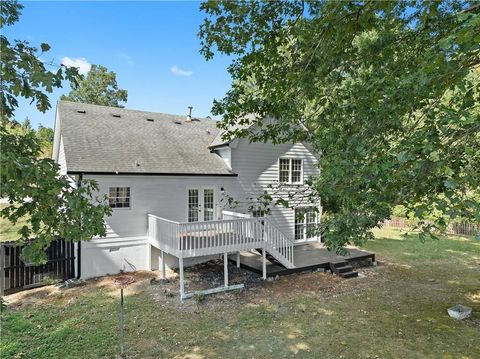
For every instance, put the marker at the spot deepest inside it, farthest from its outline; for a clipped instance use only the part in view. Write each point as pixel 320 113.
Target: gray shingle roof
pixel 96 141
pixel 220 140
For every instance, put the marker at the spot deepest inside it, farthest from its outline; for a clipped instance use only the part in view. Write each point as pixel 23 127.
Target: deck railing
pixel 164 233
pixel 274 239
pixel 195 239
pixel 234 215
pixel 279 245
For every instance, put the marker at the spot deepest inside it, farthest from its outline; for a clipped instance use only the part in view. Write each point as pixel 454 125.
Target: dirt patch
pixel 48 294
pixel 206 276
pixel 257 291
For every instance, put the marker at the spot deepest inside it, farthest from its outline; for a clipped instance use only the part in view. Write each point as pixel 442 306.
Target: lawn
pixel 394 310
pixel 7 231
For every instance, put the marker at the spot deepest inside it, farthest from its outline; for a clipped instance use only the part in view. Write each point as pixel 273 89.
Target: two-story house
pixel 179 192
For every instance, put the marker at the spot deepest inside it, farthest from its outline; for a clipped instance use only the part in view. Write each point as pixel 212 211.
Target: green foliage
pixel 43 134
pixel 53 205
pixel 22 73
pixel 3 306
pixel 49 280
pixel 45 137
pixel 99 87
pixel 47 205
pixel 386 93
pixel 8 231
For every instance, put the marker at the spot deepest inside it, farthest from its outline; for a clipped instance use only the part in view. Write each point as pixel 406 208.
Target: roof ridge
pixel 98 142
pixel 131 110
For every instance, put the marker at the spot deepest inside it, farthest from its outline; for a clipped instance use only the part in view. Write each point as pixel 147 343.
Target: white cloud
pixel 81 62
pixel 177 71
pixel 127 58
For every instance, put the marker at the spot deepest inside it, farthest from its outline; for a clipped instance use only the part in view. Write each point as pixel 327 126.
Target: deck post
pixel 149 256
pixel 264 264
pixel 238 259
pixel 162 257
pixel 225 269
pixel 182 284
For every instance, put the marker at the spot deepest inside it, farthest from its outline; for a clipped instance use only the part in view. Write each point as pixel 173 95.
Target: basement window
pixel 119 197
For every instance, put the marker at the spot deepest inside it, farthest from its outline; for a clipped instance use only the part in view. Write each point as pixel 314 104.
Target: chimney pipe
pixel 189 116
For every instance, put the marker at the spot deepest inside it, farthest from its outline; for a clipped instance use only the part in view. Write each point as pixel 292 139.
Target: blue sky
pixel 152 46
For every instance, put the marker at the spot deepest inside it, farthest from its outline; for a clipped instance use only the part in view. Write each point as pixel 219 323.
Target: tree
pixel 53 205
pixel 387 94
pixel 22 73
pixel 45 138
pixel 44 135
pixel 99 87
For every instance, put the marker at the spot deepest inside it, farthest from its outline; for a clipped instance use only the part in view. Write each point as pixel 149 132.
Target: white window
pixel 193 205
pixel 305 223
pixel 258 213
pixel 208 205
pixel 201 204
pixel 290 171
pixel 119 197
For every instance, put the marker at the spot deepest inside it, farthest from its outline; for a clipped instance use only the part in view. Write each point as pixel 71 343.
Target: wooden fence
pixel 16 275
pixel 460 228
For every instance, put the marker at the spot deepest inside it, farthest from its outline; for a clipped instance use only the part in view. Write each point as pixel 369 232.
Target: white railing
pixel 164 234
pixel 195 239
pixel 234 215
pixel 278 244
pixel 223 236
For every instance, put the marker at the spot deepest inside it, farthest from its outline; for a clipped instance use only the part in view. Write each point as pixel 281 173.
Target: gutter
pixel 151 174
pixel 225 144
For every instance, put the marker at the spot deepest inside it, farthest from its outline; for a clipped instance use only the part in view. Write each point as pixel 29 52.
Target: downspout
pixel 79 244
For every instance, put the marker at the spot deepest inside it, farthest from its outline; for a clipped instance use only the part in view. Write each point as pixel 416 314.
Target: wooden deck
pixel 307 257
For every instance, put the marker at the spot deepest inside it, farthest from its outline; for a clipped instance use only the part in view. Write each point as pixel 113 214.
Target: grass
pixel 397 310
pixel 8 232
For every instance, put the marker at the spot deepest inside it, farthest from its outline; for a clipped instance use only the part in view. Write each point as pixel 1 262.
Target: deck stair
pixel 343 269
pixel 270 258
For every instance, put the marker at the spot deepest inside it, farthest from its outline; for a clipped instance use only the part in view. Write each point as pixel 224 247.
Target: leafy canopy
pixel 22 73
pixel 51 203
pixel 387 94
pixel 44 135
pixel 99 87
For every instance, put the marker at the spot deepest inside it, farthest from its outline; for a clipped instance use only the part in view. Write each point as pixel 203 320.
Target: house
pixel 179 192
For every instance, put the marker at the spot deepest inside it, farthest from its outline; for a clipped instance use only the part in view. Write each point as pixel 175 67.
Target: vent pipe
pixel 189 116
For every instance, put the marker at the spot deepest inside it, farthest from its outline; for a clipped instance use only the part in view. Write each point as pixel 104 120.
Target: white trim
pixel 117 241
pixel 290 170
pixel 305 238
pixel 201 202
